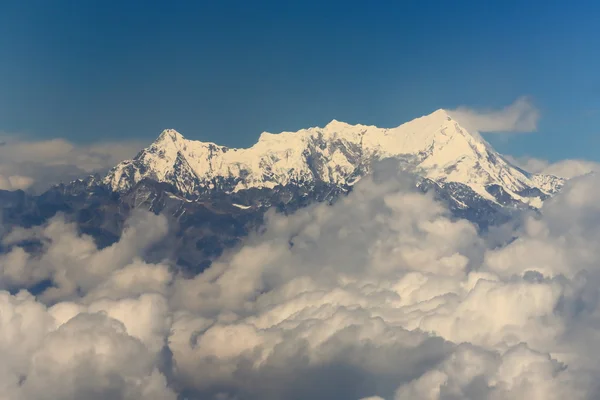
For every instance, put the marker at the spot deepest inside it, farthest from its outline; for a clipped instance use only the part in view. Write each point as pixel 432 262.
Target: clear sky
pixel 225 71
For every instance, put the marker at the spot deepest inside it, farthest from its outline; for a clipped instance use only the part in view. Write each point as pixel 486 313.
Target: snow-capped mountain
pixel 435 147
pixel 213 196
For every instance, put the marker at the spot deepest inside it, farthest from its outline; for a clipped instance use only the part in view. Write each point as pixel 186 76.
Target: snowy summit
pixel 434 146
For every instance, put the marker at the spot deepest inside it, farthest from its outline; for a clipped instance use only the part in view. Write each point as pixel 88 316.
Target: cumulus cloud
pixel 89 356
pixel 381 296
pixel 519 117
pixel 37 164
pixel 72 261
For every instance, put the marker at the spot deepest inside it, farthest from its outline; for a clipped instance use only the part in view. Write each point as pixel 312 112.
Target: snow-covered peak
pixel 334 124
pixel 438 116
pixel 171 137
pixel 435 146
pixel 170 134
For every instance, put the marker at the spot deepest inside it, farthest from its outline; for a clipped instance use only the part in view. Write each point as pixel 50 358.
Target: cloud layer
pixel 519 117
pixel 381 296
pixel 564 168
pixel 37 164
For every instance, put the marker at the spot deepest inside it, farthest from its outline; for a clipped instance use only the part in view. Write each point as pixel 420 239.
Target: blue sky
pixel 225 71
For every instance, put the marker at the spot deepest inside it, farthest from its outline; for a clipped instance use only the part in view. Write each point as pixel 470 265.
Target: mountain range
pixel 215 195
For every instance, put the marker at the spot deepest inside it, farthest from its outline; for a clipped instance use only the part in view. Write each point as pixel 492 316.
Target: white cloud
pixel 564 168
pixel 89 356
pixel 380 296
pixel 520 116
pixel 37 164
pixel 473 373
pixel 92 356
pixel 73 262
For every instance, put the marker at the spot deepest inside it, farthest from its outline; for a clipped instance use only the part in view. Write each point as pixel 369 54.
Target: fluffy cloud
pixel 91 355
pixel 36 164
pixel 564 168
pixel 381 296
pixel 472 373
pixel 520 116
pixel 72 261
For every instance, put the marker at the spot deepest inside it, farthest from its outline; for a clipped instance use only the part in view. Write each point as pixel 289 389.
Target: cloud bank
pixel 564 168
pixel 519 117
pixel 380 296
pixel 37 164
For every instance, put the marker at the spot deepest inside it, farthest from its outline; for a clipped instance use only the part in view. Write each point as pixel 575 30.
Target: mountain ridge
pixel 434 146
